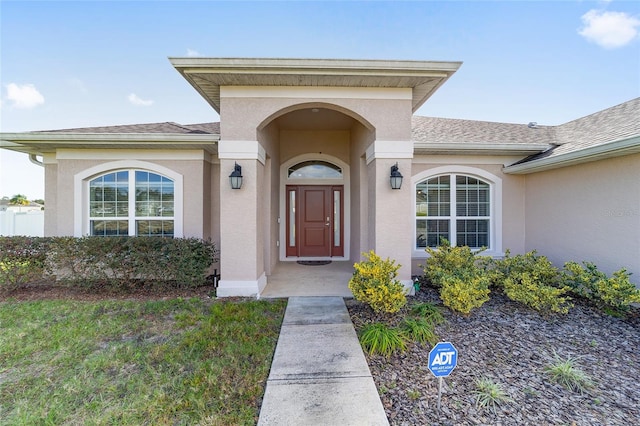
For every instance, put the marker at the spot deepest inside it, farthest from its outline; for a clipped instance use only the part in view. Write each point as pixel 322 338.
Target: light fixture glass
pixel 235 178
pixel 396 177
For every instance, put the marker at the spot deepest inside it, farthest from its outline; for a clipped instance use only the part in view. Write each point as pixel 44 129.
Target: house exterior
pixel 316 143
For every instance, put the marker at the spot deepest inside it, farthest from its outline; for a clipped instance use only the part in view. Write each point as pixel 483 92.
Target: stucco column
pixel 391 224
pixel 241 246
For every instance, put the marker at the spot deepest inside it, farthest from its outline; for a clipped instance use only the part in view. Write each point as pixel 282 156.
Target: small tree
pixel 19 200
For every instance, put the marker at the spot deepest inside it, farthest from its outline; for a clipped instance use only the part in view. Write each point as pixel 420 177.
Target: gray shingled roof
pixel 166 127
pixel 612 124
pixel 609 125
pixel 448 130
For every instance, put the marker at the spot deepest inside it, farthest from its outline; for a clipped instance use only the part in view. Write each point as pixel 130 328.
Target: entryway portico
pixel 284 120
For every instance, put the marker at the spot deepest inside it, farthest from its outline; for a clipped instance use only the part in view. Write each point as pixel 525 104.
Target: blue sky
pixel 76 64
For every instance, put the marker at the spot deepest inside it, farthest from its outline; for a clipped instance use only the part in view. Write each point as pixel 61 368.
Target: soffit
pixel 207 75
pixel 42 143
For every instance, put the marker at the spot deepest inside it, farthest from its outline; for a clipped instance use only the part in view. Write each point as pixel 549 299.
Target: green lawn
pixel 126 362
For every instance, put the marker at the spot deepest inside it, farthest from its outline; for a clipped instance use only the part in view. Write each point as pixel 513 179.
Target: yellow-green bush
pixel 614 293
pixel 539 267
pixel 526 288
pixel 464 294
pixel 463 284
pixel 374 283
pixel 447 261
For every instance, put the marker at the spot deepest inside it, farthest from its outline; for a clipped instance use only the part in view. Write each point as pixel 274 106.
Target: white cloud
pixel 136 100
pixel 609 29
pixel 192 53
pixel 24 95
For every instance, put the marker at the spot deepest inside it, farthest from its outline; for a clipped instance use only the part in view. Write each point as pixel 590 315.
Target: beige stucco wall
pixel 361 138
pixel 329 142
pixel 194 174
pixel 241 117
pixel 51 197
pixel 588 212
pixel 253 118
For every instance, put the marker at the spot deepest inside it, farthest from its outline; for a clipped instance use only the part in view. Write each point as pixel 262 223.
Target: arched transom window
pixel 133 203
pixel 314 170
pixel 455 207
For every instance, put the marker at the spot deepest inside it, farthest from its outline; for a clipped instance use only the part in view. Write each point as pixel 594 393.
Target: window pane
pixel 421 233
pixel 154 195
pixel 472 197
pixel 315 170
pixel 154 228
pixel 437 229
pixel 292 218
pixel 336 218
pixel 109 228
pixel 472 232
pixel 109 199
pixel 436 194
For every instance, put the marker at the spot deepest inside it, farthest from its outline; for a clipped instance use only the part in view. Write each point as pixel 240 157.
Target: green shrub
pixel 378 338
pixel 22 261
pixel 124 262
pixel 526 288
pixel 374 283
pixel 447 261
pixel 419 330
pixel 489 394
pixel 463 284
pixel 565 373
pixel 613 294
pixel 429 312
pixel 539 267
pixel 464 294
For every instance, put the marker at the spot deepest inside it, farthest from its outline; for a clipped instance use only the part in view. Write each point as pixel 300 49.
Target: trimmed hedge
pixel 116 263
pixel 22 260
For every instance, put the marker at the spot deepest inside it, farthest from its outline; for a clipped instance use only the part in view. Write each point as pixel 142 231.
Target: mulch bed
pixel 511 345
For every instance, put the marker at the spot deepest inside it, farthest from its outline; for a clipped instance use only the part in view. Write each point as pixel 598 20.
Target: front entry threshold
pixel 291 279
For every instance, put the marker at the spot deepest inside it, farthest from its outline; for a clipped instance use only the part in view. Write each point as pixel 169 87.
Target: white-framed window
pixel 461 204
pixel 131 203
pixel 128 198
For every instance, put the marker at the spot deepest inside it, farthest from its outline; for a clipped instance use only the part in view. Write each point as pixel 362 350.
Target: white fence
pixel 29 224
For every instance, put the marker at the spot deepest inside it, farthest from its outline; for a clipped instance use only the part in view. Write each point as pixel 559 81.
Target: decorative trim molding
pixel 389 149
pixel 315 92
pixel 249 288
pixel 130 154
pixel 242 150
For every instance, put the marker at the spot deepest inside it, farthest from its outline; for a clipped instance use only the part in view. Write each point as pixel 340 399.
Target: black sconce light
pixel 236 177
pixel 396 177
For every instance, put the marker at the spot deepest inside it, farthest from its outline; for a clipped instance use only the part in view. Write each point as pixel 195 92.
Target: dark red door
pixel 312 221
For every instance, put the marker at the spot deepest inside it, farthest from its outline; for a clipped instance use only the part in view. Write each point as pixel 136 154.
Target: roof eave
pixel 190 68
pixel 609 150
pixel 32 142
pixel 480 148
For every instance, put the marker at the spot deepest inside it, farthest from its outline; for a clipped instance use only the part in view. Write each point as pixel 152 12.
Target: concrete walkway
pixel 319 375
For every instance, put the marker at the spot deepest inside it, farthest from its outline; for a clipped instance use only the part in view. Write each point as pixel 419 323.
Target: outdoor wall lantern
pixel 236 177
pixel 396 177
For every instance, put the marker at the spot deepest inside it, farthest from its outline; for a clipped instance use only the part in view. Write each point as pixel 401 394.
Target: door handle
pixel 328 221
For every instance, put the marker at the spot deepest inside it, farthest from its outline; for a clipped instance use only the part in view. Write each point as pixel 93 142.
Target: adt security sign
pixel 443 358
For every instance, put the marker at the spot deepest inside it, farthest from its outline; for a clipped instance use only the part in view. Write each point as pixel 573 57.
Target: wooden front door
pixel 315 221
